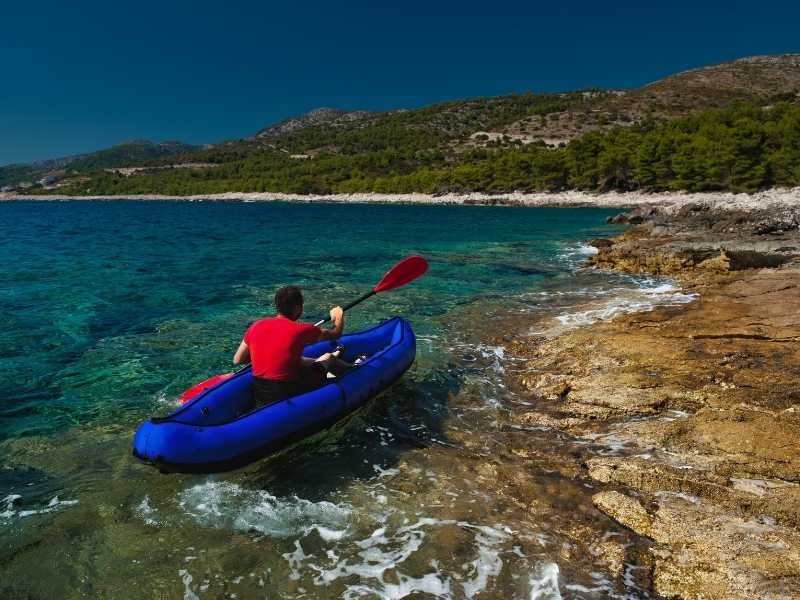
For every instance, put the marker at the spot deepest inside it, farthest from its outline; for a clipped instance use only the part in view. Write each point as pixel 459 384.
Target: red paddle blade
pixel 405 271
pixel 203 385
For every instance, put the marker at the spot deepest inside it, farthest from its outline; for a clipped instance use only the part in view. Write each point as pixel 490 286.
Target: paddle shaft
pixel 347 307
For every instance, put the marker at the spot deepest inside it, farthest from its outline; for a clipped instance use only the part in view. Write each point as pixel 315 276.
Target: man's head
pixel 289 302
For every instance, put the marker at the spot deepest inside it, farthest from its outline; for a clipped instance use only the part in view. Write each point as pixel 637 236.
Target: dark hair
pixel 287 299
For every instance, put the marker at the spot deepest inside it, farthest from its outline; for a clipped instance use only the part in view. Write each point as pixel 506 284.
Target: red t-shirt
pixel 276 347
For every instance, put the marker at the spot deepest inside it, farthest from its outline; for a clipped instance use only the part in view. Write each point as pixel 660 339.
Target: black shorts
pixel 269 391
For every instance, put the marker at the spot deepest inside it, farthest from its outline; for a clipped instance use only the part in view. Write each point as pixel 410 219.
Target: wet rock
pixel 707 553
pixel 601 243
pixel 752 438
pixel 645 257
pixel 749 259
pixel 706 395
pixel 547 385
pixel 613 400
pixel 754 498
pixel 538 419
pixel 620 219
pixel 588 411
pixel 611 554
pixel 635 216
pixel 704 552
pixel 550 462
pixel 697 237
pixel 625 510
pixel 652 477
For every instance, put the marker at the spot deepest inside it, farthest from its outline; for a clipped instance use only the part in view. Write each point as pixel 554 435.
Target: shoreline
pixel 694 407
pixel 670 201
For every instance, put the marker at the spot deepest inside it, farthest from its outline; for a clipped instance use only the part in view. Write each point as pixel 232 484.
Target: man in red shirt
pixel 275 345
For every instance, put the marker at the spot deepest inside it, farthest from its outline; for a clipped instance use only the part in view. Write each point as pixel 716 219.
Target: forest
pixel 742 148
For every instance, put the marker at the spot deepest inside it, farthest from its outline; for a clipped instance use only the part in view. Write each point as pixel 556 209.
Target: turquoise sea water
pixel 111 309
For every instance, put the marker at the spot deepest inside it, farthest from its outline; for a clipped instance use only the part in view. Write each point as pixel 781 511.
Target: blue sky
pixel 81 76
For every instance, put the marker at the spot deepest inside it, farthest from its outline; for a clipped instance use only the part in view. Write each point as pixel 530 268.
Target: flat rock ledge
pixel 702 551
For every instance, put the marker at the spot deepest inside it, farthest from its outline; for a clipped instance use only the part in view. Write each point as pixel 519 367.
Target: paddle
pixel 406 271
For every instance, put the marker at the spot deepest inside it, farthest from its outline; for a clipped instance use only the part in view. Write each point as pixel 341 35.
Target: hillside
pixel 727 126
pixel 332 117
pixel 47 173
pixel 756 79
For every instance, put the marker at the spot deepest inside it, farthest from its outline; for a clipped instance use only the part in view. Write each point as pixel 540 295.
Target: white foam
pixel 575 256
pixel 488 351
pixel 665 288
pixel 381 472
pixel 488 564
pixel 295 560
pixel 611 442
pixel 486 372
pixel 161 398
pixel 224 504
pixel 377 561
pixel 378 551
pixel 11 501
pixel 627 301
pixel 427 584
pixel 186 578
pixel 146 512
pixel 544 583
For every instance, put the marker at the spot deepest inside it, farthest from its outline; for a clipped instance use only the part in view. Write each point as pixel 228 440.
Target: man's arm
pixel 242 355
pixel 337 316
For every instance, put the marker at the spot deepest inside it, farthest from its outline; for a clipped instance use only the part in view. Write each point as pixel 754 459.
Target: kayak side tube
pixel 214 432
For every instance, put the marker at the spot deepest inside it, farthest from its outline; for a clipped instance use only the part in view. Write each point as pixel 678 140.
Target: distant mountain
pixel 472 144
pixel 134 152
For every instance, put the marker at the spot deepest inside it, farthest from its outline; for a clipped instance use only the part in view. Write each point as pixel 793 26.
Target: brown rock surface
pixel 699 404
pixel 703 551
pixel 625 510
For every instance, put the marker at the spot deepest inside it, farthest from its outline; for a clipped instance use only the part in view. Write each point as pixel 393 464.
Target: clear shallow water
pixel 110 310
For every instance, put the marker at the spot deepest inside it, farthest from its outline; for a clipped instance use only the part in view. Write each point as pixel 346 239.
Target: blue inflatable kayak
pixel 213 432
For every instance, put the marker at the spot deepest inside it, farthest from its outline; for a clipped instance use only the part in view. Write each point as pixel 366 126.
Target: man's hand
pixel 337 316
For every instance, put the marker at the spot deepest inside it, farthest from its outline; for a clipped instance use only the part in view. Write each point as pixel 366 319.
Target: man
pixel 275 345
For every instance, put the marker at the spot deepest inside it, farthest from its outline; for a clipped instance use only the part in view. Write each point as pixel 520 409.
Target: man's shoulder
pixel 278 323
pixel 260 322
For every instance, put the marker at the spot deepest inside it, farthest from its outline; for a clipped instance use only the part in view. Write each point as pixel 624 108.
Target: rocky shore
pixel 667 202
pixel 701 401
